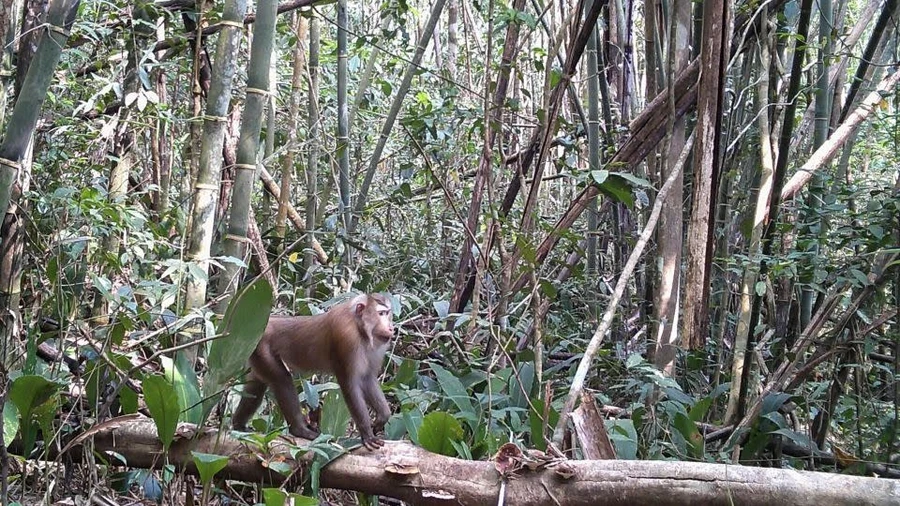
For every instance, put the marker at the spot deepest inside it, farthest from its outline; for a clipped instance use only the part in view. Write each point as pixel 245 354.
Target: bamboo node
pixel 233 24
pixel 237 238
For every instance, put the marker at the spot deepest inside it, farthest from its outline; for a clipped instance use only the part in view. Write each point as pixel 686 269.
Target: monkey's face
pixel 376 319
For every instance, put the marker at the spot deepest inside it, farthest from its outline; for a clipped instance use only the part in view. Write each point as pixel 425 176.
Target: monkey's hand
pixel 372 442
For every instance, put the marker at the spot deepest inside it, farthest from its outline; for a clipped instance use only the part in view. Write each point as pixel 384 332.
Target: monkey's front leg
pixel 376 400
pixel 353 389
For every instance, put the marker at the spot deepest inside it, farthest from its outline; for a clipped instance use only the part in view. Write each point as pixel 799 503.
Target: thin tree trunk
pixel 16 141
pixel 293 123
pixel 813 230
pixel 763 196
pixel 670 231
pixel 714 54
pixel 343 129
pixel 248 145
pixel 123 148
pixel 593 97
pixel 312 165
pixel 61 16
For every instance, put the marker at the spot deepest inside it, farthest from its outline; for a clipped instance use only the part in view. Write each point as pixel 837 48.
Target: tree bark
pixel 714 55
pixel 416 476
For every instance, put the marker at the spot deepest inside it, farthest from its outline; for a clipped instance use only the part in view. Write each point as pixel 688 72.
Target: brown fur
pixel 349 341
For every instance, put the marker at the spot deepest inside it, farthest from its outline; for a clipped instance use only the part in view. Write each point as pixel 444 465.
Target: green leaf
pixel 181 374
pixel 128 400
pixel 548 289
pixel 208 465
pixel 624 437
pixel 796 438
pixel 760 288
pixel 632 179
pixel 311 394
pixel 699 410
pixel 10 423
pixel 28 393
pixel 518 398
pixel 335 415
pixel 413 421
pixel 162 402
pixel 457 393
pixel 277 497
pixel 241 328
pixel 536 423
pixel 617 188
pixel 438 430
pixel 406 373
pixel 687 428
pixel 555 77
pixel 599 176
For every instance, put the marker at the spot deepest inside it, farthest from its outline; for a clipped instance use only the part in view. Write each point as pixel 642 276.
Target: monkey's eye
pixel 382 313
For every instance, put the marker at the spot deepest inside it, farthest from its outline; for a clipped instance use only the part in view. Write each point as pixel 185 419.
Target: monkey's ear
pixel 359 309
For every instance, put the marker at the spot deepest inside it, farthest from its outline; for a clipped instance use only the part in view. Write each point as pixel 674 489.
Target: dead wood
pixel 416 476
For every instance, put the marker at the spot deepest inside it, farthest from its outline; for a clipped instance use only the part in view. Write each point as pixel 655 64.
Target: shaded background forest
pixel 691 210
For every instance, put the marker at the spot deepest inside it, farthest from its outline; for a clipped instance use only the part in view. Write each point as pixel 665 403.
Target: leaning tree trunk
pixel 248 144
pixel 394 111
pixel 206 187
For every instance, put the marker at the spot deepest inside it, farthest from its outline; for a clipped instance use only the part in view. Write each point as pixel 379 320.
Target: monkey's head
pixel 374 317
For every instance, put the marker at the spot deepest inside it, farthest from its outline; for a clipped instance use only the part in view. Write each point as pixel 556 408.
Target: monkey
pixel 349 341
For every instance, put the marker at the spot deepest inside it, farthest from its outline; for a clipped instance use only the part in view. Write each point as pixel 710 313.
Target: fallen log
pixel 411 474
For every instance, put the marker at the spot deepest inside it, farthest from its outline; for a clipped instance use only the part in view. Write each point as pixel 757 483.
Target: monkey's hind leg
pixel 251 398
pixel 282 385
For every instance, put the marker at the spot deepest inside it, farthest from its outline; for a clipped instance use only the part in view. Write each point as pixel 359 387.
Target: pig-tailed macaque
pixel 349 341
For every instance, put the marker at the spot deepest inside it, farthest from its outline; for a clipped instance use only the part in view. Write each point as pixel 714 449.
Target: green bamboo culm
pixel 248 142
pixel 60 17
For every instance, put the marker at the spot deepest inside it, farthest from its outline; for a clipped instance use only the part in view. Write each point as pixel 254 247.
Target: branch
pixel 840 136
pixel 416 476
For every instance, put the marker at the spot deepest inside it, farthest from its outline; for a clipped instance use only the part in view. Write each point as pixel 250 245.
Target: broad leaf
pixel 241 328
pixel 437 432
pixel 162 402
pixel 181 374
pixel 29 393
pixel 455 390
pixel 208 465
